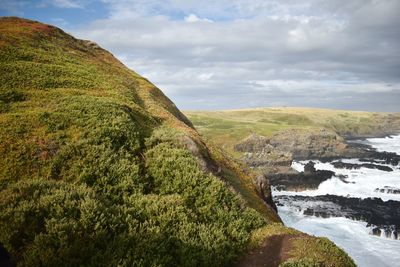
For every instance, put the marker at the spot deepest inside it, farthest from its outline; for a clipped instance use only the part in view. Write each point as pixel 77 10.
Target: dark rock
pixel 298 181
pixel 264 191
pixel 388 233
pixel 312 212
pixel 369 154
pixel 395 235
pixel 344 165
pixel 343 178
pixel 388 190
pixel 376 212
pixel 387 157
pixel 371 160
pixel 376 231
pixel 309 168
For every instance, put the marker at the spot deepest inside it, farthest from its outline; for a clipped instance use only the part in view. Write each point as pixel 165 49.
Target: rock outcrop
pixel 273 156
pixel 366 153
pixel 299 181
pixel 351 166
pixel 292 144
pixel 259 153
pixel 309 144
pixel 264 191
pixel 382 216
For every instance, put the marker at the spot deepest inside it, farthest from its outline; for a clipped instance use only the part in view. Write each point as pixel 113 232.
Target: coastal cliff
pixel 99 167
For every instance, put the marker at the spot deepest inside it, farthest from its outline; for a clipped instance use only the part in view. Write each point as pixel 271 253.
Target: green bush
pixel 112 201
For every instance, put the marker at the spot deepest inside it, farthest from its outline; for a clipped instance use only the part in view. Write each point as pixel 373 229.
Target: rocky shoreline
pixel 299 181
pixel 351 166
pixel 273 157
pixel 383 217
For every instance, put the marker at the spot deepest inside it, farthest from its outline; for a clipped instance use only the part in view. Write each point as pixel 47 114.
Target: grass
pixel 310 252
pixel 307 251
pixel 226 128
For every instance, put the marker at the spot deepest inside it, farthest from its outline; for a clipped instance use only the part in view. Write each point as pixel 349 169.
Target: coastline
pixel 372 135
pixel 366 224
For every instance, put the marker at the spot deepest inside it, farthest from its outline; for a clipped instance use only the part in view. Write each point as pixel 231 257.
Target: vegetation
pixel 226 128
pixel 308 251
pixel 93 169
pixel 315 252
pixel 259 235
pixel 99 168
pixel 305 262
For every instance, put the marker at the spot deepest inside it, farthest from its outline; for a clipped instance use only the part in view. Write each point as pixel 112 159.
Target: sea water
pixel 353 236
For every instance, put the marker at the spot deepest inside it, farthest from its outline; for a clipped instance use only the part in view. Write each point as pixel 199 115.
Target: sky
pixel 230 54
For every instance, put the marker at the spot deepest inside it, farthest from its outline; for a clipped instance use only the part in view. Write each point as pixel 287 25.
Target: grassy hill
pixel 228 127
pixel 99 168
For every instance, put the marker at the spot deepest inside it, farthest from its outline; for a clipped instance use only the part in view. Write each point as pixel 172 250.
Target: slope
pixel 99 168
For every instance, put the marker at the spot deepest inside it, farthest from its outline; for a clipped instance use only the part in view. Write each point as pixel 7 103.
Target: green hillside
pixel 228 127
pixel 99 168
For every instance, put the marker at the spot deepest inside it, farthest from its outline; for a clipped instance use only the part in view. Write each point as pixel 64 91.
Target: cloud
pixel 23 7
pixel 13 7
pixel 63 3
pixel 238 53
pixel 67 3
pixel 322 87
pixel 194 18
pixel 273 59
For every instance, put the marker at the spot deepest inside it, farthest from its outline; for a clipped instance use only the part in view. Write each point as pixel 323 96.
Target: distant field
pixel 229 126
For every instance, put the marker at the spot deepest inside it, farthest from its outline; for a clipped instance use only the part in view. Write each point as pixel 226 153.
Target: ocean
pixel 353 236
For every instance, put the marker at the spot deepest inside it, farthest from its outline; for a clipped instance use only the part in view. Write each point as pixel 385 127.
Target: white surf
pixel 353 236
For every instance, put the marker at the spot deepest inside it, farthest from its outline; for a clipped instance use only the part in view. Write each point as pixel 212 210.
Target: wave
pixel 388 144
pixel 362 183
pixel 353 236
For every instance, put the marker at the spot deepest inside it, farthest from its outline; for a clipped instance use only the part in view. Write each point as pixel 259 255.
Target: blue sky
pixel 64 13
pixel 245 53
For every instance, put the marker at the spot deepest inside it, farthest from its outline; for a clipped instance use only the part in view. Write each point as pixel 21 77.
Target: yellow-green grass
pixel 317 252
pixel 228 127
pixel 306 251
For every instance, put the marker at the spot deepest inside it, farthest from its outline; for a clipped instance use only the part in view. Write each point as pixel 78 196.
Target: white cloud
pixel 259 52
pixel 194 18
pixel 64 3
pixel 318 86
pixel 205 76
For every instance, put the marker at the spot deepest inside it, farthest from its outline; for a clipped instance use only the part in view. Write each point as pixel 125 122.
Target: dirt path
pixel 273 252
